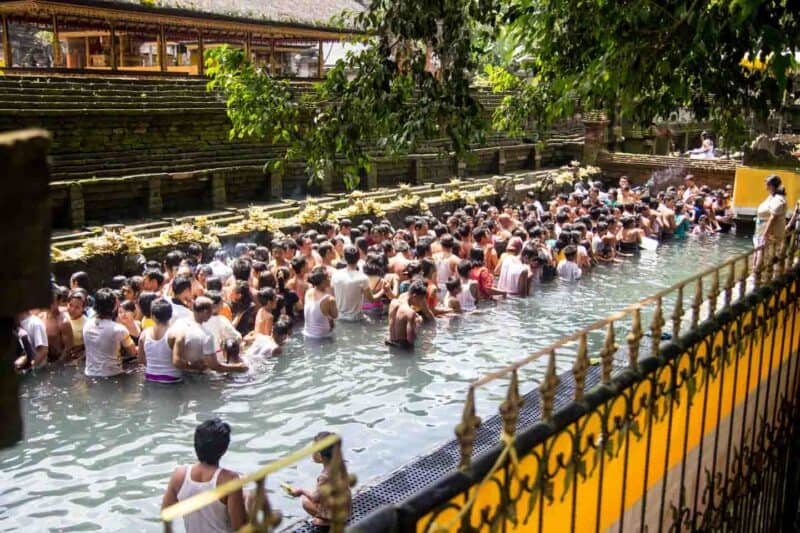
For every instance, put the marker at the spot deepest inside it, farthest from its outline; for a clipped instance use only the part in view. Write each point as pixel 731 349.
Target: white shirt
pixel 221 329
pixel 37 333
pixel 348 288
pixel 198 342
pixel 568 270
pixel 179 312
pixel 510 272
pixel 102 339
pixel 263 347
pixel 221 270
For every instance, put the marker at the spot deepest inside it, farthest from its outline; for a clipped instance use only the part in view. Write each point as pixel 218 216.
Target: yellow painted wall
pixel 557 513
pixel 749 189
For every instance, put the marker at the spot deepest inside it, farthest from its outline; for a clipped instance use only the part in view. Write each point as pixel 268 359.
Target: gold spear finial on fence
pixel 509 409
pixel 466 430
pixel 730 282
pixel 677 313
pixel 758 267
pixel 580 366
pixel 657 327
pixel 610 348
pixel 713 293
pixel 744 276
pixel 697 302
pixel 336 491
pixel 548 387
pixel 261 515
pixel 634 337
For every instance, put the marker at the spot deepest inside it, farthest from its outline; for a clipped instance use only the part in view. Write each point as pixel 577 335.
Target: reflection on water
pixel 98 453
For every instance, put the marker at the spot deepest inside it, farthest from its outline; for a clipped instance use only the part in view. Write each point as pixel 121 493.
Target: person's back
pixel 319 309
pixel 105 339
pixel 154 347
pixel 226 514
pixel 348 287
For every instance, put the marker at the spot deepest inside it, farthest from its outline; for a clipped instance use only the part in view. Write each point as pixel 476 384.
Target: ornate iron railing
pixel 690 424
pixel 261 516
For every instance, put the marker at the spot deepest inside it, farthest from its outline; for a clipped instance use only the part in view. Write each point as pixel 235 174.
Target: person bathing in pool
pixel 404 318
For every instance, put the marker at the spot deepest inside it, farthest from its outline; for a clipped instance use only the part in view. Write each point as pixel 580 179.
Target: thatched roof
pixel 305 12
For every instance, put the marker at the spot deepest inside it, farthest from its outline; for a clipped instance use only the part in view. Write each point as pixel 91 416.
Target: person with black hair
pixel 193 347
pixel 104 339
pixel 351 287
pixel 405 316
pixel 181 297
pixel 154 350
pixel 211 441
pixel 313 501
pixel 152 280
pixel 320 306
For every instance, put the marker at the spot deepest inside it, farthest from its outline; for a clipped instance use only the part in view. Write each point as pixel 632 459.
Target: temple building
pixel 287 37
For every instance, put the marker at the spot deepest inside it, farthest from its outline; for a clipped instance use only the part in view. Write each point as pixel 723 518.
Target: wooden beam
pixel 113 36
pixel 8 60
pixel 201 53
pixel 57 59
pixel 162 48
pixel 321 62
pixel 88 58
pixel 272 58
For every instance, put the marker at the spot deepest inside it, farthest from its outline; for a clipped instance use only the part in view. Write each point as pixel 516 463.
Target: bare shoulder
pixel 178 475
pixel 226 475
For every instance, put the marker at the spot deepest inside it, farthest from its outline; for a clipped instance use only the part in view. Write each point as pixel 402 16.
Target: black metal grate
pixel 424 471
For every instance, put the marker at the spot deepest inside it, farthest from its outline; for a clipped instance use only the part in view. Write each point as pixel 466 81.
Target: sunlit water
pixel 97 454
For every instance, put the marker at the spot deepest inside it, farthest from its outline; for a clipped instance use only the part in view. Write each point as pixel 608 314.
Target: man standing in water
pixel 193 347
pixel 403 316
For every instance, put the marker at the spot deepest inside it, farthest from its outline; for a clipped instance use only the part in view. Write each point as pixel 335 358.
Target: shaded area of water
pixel 97 454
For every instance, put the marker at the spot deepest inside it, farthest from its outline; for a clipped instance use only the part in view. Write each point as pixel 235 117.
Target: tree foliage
pixel 380 97
pixel 651 58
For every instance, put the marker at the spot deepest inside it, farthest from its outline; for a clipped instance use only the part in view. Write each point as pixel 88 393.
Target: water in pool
pixel 97 454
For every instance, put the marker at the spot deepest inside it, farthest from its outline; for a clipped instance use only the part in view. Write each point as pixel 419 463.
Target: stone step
pixel 88 157
pixel 153 169
pixel 206 159
pixel 36 92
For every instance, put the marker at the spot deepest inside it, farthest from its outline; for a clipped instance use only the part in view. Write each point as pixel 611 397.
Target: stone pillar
pixel 417 174
pixel 276 184
pixel 501 161
pixel 218 194
pixel 372 177
pixel 596 125
pixel 76 205
pixel 461 168
pixel 155 203
pixel 327 181
pixel 537 156
pixel 25 241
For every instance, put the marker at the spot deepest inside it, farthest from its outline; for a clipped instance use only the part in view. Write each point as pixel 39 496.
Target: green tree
pixel 380 98
pixel 651 58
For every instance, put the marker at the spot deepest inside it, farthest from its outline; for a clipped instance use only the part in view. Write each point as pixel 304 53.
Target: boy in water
pixel 313 502
pixel 403 317
pixel 568 269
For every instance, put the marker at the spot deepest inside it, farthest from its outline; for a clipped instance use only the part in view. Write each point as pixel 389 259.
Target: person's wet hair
pixel 464 266
pixel 318 276
pixel 241 268
pixel 265 296
pixel 211 440
pixel 351 255
pixel 105 303
pixel 202 305
pixel 161 310
pixel 213 283
pixel 231 349
pixel 180 285
pixel 452 284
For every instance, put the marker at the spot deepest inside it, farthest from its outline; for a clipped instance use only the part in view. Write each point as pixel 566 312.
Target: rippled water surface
pixel 97 454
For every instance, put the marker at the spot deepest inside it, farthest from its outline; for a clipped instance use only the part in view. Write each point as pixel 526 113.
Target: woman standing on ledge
pixel 771 220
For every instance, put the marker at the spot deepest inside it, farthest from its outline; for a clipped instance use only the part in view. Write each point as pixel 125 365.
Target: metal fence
pixel 691 423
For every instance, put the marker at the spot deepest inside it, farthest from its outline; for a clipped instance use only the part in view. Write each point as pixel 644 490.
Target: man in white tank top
pixel 211 440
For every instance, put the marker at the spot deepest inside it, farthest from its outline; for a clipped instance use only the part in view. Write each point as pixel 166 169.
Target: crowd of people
pixel 192 313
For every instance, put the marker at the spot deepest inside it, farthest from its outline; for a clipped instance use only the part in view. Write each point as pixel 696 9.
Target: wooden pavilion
pixel 169 36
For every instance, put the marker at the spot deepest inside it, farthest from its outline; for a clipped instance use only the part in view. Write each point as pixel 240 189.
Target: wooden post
pixel 113 35
pixel 162 48
pixel 88 58
pixel 56 44
pixel 201 52
pixel 121 62
pixel 321 62
pixel 248 46
pixel 272 66
pixel 7 58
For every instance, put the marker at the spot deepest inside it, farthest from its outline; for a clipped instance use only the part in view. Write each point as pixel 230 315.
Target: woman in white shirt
pixel 770 221
pixel 104 339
